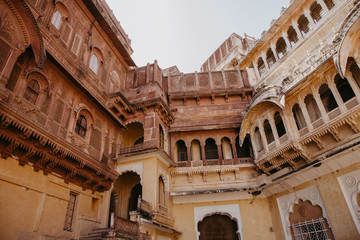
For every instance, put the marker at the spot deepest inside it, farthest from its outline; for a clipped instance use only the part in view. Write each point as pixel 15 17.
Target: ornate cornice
pixel 25 141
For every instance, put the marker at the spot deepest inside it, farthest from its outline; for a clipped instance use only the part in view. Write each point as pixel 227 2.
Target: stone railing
pixel 213 162
pixel 145 206
pixel 126 226
pixel 131 149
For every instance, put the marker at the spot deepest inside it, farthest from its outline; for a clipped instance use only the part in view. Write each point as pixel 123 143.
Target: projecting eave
pixel 285 14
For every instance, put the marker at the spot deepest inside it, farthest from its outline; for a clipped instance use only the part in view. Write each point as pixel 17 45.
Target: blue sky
pixel 186 32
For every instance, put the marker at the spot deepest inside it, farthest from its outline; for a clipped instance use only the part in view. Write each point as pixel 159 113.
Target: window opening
pixel 280 128
pixel 268 132
pixel 32 91
pixel 292 36
pixel 344 88
pixel 316 12
pixel 329 4
pixel 281 48
pixel 312 108
pixel 261 66
pixel 94 63
pixel 56 19
pixel 304 25
pixel 81 126
pixel 211 151
pixel 299 117
pixel 327 98
pixel 270 58
pixel 181 151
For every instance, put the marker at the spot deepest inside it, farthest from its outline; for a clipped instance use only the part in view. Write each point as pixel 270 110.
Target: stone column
pixel 321 107
pixel 203 154
pixel 273 49
pixel 308 16
pixel 324 7
pixel 257 73
pixel 305 114
pixel 274 129
pixel 188 149
pixel 219 154
pixel 338 99
pixel 263 55
pixel 233 147
pixel 297 30
pixel 263 136
pixel 289 47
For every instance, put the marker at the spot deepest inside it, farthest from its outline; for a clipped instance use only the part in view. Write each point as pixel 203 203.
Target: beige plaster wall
pixel 34 205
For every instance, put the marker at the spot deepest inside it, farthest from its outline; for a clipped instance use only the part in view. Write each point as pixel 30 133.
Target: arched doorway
pixel 218 227
pixel 307 222
pixel 124 198
pixel 136 191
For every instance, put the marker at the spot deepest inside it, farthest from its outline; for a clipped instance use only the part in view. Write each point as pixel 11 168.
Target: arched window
pixel 344 88
pixel 181 151
pixel 211 151
pixel 329 4
pixel 281 48
pixel 195 149
pixel 258 141
pixel 299 117
pixel 261 66
pixel 355 70
pixel 316 12
pixel 161 137
pixel 270 58
pixel 304 25
pixel 32 91
pixel 226 148
pixel 312 108
pixel 81 126
pixel 161 191
pixel 292 35
pixel 327 98
pixel 268 132
pixel 245 151
pixel 94 63
pixel 56 19
pixel 280 128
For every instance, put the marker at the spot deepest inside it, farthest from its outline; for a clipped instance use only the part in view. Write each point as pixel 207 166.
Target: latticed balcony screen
pixel 310 230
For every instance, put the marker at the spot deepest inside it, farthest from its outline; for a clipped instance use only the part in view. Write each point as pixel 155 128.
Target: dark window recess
pixel 280 128
pixel 299 117
pixel 261 66
pixel 329 4
pixel 81 126
pixel 211 151
pixel 312 108
pixel 355 70
pixel 316 12
pixel 304 25
pixel 292 36
pixel 270 58
pixel 281 48
pixel 268 132
pixel 344 88
pixel 32 91
pixel 327 98
pixel 181 151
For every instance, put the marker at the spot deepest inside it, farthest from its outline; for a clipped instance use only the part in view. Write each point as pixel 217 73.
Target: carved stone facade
pixel 261 143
